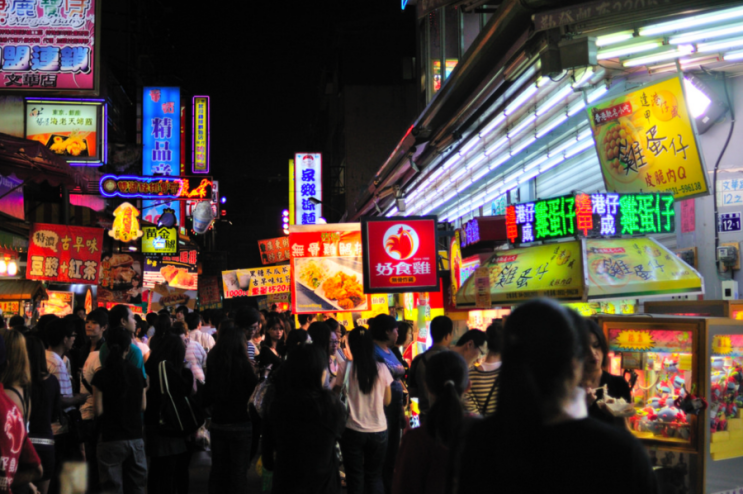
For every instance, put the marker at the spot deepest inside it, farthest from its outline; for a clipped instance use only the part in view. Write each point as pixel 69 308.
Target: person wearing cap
pixel 384 331
pixel 20 463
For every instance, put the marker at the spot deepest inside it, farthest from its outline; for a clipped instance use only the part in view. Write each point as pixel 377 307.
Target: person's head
pixel 447 379
pixel 249 320
pixel 216 317
pixel 179 328
pixel 334 326
pixel 274 330
pixel 296 338
pixel 598 351
pixel 42 324
pixel 320 334
pixel 384 329
pixel 78 328
pixel 193 320
pixel 17 322
pixel 365 368
pixel 274 307
pixel 404 334
pixel 170 348
pixel 206 317
pixel 18 370
pixel 80 312
pixel 60 335
pixel 122 316
pixel 142 328
pixel 180 313
pixel 36 360
pixel 470 345
pixel 305 320
pixel 305 366
pixel 96 323
pixel 543 353
pixel 494 335
pixel 151 319
pixel 230 356
pixel 441 330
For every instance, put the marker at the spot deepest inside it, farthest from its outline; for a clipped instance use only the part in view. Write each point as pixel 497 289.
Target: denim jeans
pixel 122 466
pixel 230 458
pixel 393 412
pixel 363 457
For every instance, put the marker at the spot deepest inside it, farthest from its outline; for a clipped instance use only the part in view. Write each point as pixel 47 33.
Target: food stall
pixel 21 297
pixel 670 361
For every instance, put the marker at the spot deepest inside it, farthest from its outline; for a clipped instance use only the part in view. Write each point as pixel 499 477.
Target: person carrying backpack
pixel 442 329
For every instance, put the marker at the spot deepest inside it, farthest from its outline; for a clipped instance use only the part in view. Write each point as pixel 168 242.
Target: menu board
pixel 178 271
pixel 274 250
pixel 65 254
pixel 252 282
pixel 209 296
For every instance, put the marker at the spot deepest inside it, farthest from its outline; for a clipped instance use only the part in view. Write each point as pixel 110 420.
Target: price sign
pixel 729 222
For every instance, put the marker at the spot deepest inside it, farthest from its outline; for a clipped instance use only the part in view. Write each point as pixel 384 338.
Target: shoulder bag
pixel 178 416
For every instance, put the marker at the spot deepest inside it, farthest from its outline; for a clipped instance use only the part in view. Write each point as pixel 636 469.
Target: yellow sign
pixel 201 133
pixel 126 224
pixel 635 340
pixel 636 267
pixel 646 142
pixel 588 309
pixel 455 263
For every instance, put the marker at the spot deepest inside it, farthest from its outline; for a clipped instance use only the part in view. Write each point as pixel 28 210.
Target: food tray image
pixel 333 277
pixel 60 145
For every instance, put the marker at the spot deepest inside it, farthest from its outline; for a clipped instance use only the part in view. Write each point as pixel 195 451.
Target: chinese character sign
pixel 307 186
pixel 126 223
pixel 327 269
pixel 646 142
pixel 66 254
pixel 70 130
pixel 48 45
pixel 274 250
pixel 209 296
pixel 455 262
pixel 121 278
pixel 161 130
pixel 159 240
pixel 133 187
pixel 253 282
pixel 400 255
pixel 177 271
pixel 201 134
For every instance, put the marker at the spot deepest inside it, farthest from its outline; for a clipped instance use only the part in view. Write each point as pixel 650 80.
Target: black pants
pixel 257 422
pixel 393 413
pixel 182 464
pixel 162 474
pixel 65 450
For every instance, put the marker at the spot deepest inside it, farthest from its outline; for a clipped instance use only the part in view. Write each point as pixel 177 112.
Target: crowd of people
pixel 316 407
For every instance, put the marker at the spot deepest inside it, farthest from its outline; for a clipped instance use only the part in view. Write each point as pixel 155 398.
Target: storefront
pixel 21 298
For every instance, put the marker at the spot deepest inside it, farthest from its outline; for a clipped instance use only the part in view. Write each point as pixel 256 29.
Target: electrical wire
pixel 717 164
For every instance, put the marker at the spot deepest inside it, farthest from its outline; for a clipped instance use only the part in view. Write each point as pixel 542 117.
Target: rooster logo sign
pixel 401 242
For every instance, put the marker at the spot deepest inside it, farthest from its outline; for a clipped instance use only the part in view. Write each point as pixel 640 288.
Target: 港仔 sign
pixel 400 254
pixel 646 142
pixel 67 254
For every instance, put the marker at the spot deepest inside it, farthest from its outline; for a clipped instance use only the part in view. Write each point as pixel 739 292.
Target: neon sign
pixel 174 188
pixel 201 134
pixel 590 215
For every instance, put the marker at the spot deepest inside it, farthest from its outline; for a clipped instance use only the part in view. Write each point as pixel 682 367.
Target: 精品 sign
pixel 646 142
pixel 73 129
pixel 160 240
pixel 400 254
pixel 49 45
pixel 590 215
pixel 66 254
pixel 307 186
pixel 176 188
pixel 201 134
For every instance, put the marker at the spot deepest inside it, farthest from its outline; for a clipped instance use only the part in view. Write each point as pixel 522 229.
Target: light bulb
pixel 3 266
pixel 12 268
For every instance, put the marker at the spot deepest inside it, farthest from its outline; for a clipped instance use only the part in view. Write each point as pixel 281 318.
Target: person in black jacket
pixel 228 389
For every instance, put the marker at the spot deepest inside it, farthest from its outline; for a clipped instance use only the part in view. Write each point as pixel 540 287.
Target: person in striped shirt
pixel 481 398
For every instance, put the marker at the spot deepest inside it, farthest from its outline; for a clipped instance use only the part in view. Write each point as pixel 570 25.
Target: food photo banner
pixel 274 250
pixel 646 142
pixel 590 215
pixel 253 282
pixel 66 254
pixel 121 278
pixel 49 45
pixel 177 271
pixel 327 268
pixel 178 188
pixel 400 255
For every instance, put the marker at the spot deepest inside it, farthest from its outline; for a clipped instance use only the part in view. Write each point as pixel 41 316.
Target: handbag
pixel 258 398
pixel 178 416
pixel 344 392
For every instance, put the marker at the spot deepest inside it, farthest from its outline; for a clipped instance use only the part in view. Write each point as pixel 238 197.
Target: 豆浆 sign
pixel 729 222
pixel 646 142
pixel 590 215
pixel 252 282
pixel 160 240
pixel 66 254
pixel 68 129
pixel 307 185
pixel 400 255
pixel 48 45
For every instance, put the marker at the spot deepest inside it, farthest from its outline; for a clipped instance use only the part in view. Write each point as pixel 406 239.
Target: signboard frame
pixel 207 135
pixel 299 177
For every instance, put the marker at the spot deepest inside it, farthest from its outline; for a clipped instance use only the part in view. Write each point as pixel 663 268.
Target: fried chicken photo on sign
pixel 345 289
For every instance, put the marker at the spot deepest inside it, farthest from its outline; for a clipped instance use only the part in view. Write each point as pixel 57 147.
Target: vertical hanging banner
pixel 400 254
pixel 326 269
pixel 161 150
pixel 307 186
pixel 50 45
pixel 646 142
pixel 67 254
pixel 201 134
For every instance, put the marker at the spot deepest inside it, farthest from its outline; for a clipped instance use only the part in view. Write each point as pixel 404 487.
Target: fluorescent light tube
pixel 585 77
pixel 599 92
pixel 495 122
pixel 622 51
pixel 457 175
pixel 392 212
pixel 693 21
pixel 521 126
pixel 472 143
pixel 520 100
pixel 521 145
pixel 579 148
pixel 614 38
pixel 548 126
pixel 556 98
pixel 732 56
pixel 720 45
pixel 535 163
pixel 496 145
pixel 499 160
pixel 480 173
pixel 473 163
pixel 679 52
pixel 716 32
pixel 451 161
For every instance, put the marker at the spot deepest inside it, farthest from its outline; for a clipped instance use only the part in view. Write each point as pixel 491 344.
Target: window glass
pixel 726 375
pixel 471 28
pixel 434 49
pixel 452 34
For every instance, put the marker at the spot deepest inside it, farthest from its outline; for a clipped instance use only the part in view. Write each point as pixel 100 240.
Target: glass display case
pixel 732 309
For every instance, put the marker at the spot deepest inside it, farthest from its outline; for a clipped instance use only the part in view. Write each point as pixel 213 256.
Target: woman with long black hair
pixel 320 333
pixel 119 394
pixel 272 347
pixel 366 384
pixel 228 389
pixel 540 403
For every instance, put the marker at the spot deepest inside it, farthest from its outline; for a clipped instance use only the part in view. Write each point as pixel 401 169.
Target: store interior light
pixel 680 51
pixel 733 56
pixel 698 101
pixel 614 38
pixel 496 145
pixel 549 126
pixel 521 126
pixel 554 99
pixel 693 21
pixel 470 144
pixel 597 93
pixel 495 122
pixel 521 99
pixel 3 266
pixel 12 267
pixel 622 51
pixel 223 200
pixel 705 34
pixel 720 45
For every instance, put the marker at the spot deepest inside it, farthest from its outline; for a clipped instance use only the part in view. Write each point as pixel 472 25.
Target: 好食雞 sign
pixel 66 254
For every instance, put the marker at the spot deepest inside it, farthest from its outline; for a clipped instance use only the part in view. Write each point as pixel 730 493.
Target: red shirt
pixel 15 447
pixel 422 464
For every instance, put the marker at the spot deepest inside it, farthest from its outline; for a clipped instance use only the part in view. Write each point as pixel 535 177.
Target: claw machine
pixel 685 374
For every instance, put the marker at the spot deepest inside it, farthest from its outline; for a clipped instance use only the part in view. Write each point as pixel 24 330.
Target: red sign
pixel 612 113
pixel 209 291
pixel 400 255
pixel 67 254
pixel 274 250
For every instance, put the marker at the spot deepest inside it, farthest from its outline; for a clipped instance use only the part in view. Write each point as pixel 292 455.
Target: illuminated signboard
pixel 470 233
pixel 160 240
pixel 49 45
pixel 590 215
pixel 126 223
pixel 178 188
pixel 72 128
pixel 64 254
pixel 201 134
pixel 307 185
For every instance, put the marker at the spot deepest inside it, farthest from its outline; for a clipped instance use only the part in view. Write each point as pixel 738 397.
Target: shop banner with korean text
pixel 178 271
pixel 274 250
pixel 253 282
pixel 65 254
pixel 327 268
pixel 636 267
pixel 646 142
pixel 121 278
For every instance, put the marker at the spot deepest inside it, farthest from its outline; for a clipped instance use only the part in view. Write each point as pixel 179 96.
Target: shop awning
pixel 21 290
pixel 31 160
pixel 585 270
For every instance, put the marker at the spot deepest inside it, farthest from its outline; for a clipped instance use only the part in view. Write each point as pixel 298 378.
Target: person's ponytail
pixel 446 378
pixel 119 340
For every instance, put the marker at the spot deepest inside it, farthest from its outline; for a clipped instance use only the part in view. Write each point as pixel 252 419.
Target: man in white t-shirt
pixel 193 321
pixel 61 337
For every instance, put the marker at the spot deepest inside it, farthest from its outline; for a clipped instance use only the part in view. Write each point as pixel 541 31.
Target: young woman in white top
pixel 366 384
